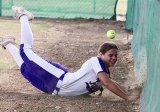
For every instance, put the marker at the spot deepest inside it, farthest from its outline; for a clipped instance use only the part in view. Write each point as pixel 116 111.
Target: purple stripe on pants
pixel 39 77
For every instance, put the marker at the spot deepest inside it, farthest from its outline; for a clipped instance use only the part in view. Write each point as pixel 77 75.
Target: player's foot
pixel 5 40
pixel 20 11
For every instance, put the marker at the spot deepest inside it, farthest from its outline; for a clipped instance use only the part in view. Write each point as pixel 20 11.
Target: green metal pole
pixel 0 7
pixel 11 2
pixel 114 16
pixel 94 6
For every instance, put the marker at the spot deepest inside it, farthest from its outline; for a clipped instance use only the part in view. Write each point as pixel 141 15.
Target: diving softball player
pixel 53 78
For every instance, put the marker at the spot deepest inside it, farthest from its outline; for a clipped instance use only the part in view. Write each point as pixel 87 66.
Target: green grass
pixel 9 27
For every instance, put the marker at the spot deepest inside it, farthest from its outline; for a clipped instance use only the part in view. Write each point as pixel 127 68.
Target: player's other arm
pixel 113 86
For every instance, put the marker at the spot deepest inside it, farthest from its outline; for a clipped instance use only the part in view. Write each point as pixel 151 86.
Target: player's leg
pixel 8 42
pixel 34 67
pixel 26 33
pixel 14 51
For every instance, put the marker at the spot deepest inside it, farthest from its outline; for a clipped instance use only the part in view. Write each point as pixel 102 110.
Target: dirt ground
pixel 71 43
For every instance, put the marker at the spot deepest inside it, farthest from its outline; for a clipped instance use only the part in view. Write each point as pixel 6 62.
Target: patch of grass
pixel 12 27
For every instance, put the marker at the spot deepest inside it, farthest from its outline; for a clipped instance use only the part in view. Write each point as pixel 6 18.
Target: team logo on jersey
pixel 94 86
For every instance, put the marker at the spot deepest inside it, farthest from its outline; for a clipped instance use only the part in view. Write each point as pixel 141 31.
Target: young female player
pixel 53 78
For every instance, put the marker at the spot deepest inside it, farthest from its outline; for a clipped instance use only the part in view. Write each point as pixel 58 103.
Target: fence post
pixel 115 13
pixel 94 6
pixel 12 2
pixel 0 7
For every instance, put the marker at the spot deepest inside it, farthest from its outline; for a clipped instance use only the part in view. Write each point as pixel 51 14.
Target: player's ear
pixel 100 54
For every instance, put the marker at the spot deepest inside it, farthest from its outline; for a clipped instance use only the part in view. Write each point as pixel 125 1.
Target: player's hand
pixel 136 90
pixel 133 97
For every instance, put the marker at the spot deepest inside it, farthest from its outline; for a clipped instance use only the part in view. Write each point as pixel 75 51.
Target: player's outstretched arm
pixel 115 87
pixel 133 93
pixel 112 86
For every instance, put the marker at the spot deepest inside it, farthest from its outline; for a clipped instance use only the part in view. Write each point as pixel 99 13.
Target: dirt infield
pixel 70 42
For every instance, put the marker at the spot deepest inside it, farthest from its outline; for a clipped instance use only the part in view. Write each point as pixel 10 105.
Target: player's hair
pixel 106 47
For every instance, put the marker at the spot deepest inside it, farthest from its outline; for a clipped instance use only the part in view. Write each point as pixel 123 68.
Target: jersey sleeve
pixel 99 66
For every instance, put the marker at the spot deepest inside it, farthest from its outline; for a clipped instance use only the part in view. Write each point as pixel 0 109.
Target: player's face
pixel 110 57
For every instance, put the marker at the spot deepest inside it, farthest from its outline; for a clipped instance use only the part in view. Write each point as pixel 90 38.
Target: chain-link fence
pixel 63 8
